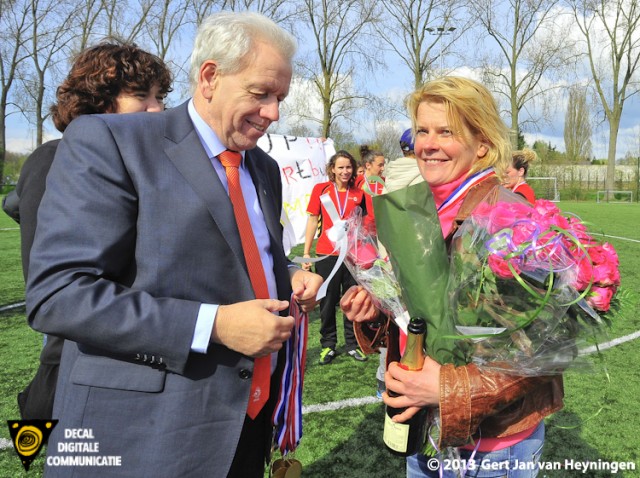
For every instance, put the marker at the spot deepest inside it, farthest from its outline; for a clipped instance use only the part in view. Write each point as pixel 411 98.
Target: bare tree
pixel 577 126
pixel 414 28
pixel 612 38
pixel 342 49
pixel 51 33
pixel 86 20
pixel 14 32
pixel 165 20
pixel 200 9
pixel 283 12
pixel 531 50
pixel 388 139
pixel 126 19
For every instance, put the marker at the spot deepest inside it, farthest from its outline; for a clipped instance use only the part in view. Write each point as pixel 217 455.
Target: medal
pixel 286 468
pixel 341 207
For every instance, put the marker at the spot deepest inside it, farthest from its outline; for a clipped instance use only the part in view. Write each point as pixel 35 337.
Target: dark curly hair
pixel 100 73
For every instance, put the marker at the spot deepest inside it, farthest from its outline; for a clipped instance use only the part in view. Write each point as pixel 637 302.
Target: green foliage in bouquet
pixel 408 226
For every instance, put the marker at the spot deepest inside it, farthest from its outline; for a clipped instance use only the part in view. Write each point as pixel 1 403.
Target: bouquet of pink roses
pixel 528 284
pixel 521 288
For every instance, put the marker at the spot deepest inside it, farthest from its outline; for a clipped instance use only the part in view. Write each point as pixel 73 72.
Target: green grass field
pixel 599 421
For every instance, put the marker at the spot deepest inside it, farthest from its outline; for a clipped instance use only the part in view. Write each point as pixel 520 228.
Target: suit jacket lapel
pixel 271 216
pixel 184 149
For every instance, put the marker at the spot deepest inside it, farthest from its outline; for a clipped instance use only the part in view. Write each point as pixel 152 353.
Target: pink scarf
pixel 440 194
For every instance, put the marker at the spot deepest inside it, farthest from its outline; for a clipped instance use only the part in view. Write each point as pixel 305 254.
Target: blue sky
pixel 21 136
pixel 395 82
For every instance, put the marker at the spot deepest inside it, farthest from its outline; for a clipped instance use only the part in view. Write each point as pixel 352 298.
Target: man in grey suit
pixel 138 263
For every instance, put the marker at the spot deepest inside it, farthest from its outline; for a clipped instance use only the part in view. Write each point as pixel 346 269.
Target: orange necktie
pixel 262 365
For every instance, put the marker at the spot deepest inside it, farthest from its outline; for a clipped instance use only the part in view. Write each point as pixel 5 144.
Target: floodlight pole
pixel 440 31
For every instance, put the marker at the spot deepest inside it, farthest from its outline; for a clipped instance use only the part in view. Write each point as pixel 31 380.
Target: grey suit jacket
pixel 135 231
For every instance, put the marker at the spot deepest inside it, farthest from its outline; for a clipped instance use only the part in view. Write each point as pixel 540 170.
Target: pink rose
pixel 579 230
pixel 560 222
pixel 502 217
pixel 500 267
pixel 583 273
pixel 611 253
pixel 523 231
pixel 482 210
pixel 364 255
pixel 598 254
pixel 605 265
pixel 606 274
pixel 546 208
pixel 600 298
pixel 521 209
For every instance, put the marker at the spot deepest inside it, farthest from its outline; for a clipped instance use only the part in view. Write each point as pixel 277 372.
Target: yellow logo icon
pixel 28 436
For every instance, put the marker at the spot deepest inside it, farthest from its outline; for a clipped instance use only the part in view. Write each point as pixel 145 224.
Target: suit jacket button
pixel 244 373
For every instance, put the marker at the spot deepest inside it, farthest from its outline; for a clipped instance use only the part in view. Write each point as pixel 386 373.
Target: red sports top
pixel 524 190
pixel 345 203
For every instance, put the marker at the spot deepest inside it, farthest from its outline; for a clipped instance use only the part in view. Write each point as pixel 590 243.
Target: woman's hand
pixel 306 265
pixel 357 305
pixel 417 389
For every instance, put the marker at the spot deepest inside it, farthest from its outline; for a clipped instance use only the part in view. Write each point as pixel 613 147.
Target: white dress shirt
pixel 213 147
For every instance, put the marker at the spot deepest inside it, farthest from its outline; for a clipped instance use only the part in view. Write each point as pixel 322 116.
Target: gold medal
pixel 294 470
pixel 279 468
pixel 286 468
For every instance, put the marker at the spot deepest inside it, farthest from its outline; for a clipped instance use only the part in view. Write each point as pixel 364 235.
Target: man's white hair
pixel 229 37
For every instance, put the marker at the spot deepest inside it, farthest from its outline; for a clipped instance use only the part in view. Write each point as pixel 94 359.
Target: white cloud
pixel 21 137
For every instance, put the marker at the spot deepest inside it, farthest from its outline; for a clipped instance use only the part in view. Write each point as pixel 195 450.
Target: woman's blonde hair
pixel 468 103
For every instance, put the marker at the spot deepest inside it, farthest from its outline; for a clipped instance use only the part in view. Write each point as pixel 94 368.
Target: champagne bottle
pixel 405 439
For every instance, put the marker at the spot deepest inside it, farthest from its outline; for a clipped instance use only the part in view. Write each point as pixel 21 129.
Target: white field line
pixel 9 228
pixel 357 402
pixel 610 344
pixel 17 305
pixel 348 403
pixel 614 237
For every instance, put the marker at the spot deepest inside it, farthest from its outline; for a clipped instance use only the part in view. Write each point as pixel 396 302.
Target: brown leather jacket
pixel 475 402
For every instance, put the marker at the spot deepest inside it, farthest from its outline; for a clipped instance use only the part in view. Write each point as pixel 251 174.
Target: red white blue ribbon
pixel 287 416
pixel 461 191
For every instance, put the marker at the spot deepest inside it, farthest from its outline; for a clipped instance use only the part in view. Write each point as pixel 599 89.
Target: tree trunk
pixel 326 119
pixel 515 128
pixel 614 124
pixel 3 147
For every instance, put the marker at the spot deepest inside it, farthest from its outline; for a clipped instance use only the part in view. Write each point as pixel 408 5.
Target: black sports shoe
pixel 327 355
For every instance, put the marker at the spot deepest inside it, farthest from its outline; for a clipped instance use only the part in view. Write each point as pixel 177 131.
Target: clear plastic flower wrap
pixel 368 263
pixel 525 286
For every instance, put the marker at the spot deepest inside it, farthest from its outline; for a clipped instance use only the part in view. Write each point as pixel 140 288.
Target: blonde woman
pixel 494 419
